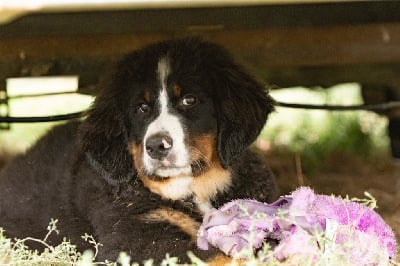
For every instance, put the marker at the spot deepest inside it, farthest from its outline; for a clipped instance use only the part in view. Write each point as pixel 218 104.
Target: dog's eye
pixel 143 108
pixel 188 100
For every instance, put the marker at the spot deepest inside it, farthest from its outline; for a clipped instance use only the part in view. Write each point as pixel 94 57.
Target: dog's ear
pixel 103 134
pixel 243 106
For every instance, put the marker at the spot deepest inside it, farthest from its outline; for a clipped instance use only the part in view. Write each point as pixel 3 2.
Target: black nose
pixel 158 146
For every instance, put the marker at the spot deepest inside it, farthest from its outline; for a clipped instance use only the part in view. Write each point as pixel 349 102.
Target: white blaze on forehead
pixel 163 71
pixel 171 125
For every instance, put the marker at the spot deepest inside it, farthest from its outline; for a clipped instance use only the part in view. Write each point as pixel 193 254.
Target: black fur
pixel 83 172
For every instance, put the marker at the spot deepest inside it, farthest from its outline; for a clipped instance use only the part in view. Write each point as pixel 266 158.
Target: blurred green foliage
pixel 314 134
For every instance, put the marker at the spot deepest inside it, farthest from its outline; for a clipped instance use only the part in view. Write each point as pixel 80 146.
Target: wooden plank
pixel 127 21
pixel 287 46
pixel 304 46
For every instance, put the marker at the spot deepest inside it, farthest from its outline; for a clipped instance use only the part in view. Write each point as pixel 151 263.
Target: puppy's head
pixel 173 109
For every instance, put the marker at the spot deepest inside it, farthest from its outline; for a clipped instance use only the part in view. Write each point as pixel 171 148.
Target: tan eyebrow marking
pixel 177 90
pixel 147 95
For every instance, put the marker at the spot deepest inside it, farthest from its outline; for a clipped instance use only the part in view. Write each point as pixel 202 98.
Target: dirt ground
pixel 342 174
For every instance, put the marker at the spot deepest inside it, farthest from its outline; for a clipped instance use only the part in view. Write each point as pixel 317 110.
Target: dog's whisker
pixel 196 152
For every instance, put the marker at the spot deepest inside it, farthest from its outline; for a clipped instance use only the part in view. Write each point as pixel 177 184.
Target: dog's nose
pixel 158 146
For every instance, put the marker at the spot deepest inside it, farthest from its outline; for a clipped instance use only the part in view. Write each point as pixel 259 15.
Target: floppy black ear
pixel 103 136
pixel 243 107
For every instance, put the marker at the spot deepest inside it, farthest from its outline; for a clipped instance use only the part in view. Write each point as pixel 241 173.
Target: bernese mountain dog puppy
pixel 166 139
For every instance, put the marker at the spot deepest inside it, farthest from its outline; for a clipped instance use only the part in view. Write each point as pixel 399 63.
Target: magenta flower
pixel 294 222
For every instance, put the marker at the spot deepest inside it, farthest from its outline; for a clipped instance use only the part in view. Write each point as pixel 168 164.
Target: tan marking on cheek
pixel 204 148
pixel 137 151
pixel 177 90
pixel 177 218
pixel 147 95
pixel 214 178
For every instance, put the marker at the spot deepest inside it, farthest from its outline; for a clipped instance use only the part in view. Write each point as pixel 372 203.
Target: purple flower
pixel 295 221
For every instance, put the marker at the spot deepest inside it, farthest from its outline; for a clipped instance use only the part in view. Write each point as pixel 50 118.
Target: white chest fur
pixel 177 188
pixel 203 188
